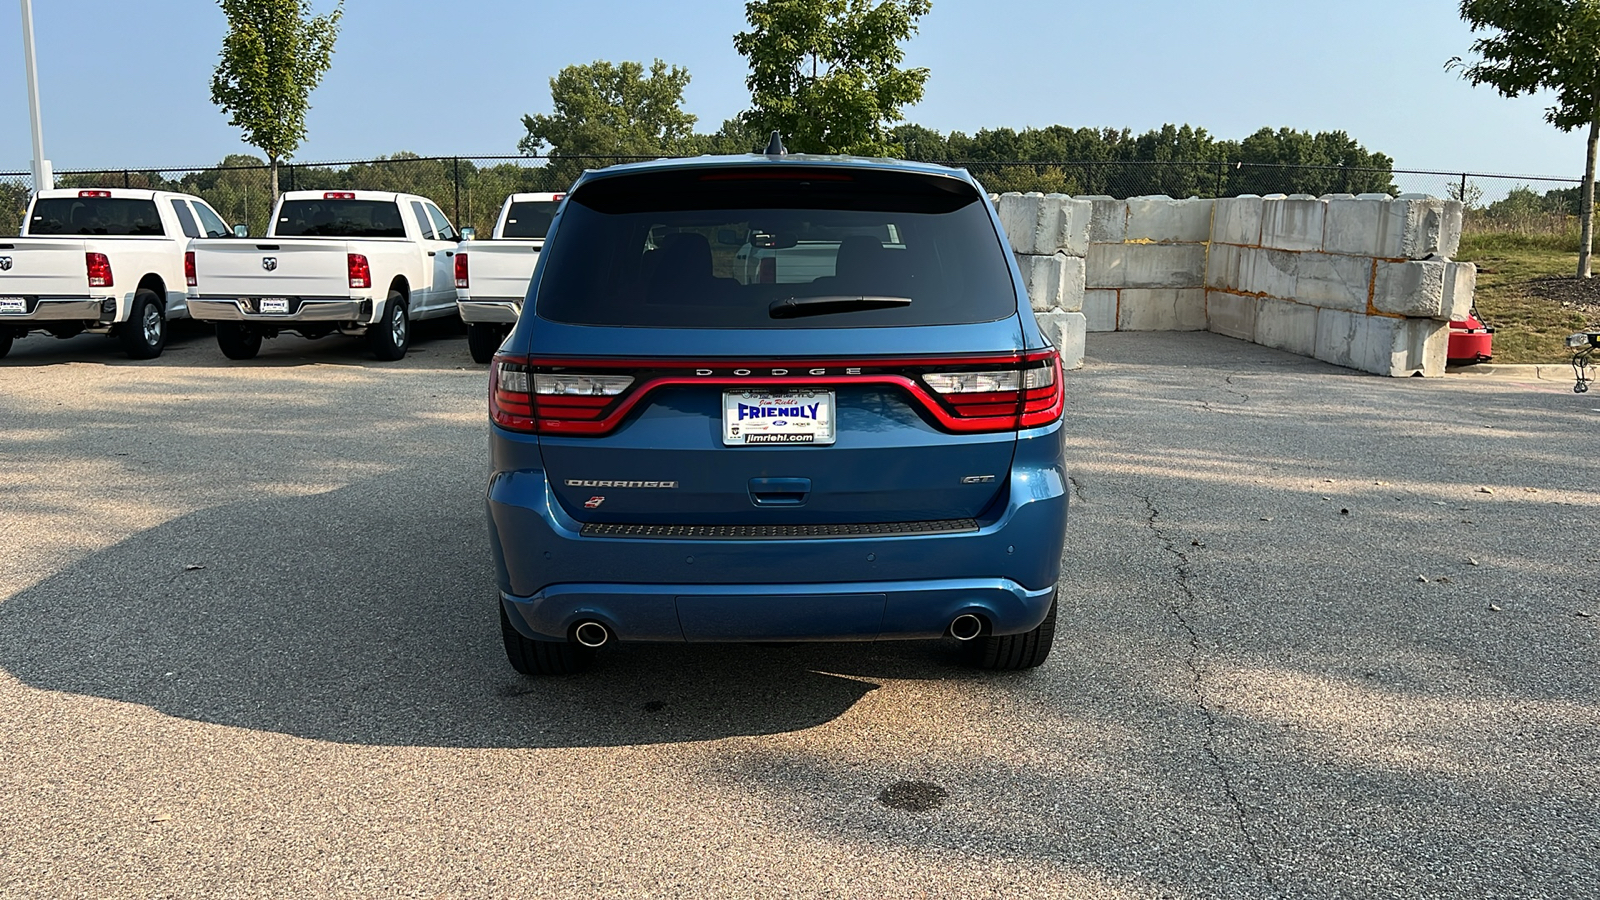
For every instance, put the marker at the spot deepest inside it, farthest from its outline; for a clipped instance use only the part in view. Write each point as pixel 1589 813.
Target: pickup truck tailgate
pixel 501 270
pixel 272 268
pixel 44 267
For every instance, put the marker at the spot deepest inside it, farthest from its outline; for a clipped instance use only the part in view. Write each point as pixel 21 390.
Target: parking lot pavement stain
pixel 913 796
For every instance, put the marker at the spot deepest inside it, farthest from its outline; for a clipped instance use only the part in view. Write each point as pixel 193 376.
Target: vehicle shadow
pixel 330 617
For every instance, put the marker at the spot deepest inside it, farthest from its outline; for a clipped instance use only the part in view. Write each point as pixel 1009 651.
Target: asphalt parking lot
pixel 1323 635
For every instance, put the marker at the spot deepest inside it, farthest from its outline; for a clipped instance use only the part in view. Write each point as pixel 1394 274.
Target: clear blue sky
pixel 126 82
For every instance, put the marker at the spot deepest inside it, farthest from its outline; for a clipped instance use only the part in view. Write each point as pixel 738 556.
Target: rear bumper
pixel 778 612
pixel 551 576
pixel 62 309
pixel 307 309
pixel 502 311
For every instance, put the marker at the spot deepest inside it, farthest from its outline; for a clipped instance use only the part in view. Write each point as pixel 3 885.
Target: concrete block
pixel 1331 280
pixel 1336 335
pixel 1100 309
pixel 1288 326
pixel 1066 331
pixel 1041 224
pixel 1414 289
pixel 1146 265
pixel 1223 263
pixel 1293 223
pixel 1237 220
pixel 1271 272
pixel 1419 227
pixel 1460 284
pixel 1231 314
pixel 1162 309
pixel 1357 225
pixel 1165 220
pixel 1382 345
pixel 1054 281
pixel 1108 221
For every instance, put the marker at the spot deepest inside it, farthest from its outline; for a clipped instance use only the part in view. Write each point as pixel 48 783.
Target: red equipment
pixel 1471 341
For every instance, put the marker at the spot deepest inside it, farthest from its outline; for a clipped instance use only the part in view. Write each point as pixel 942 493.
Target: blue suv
pixel 776 398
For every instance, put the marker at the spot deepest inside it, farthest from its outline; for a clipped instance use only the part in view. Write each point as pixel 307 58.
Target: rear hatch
pixel 46 267
pixel 272 267
pixel 676 390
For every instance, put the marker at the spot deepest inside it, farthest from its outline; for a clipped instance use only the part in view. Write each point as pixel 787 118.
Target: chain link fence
pixel 472 188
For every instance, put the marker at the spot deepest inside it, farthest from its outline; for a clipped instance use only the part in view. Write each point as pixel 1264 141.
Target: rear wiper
pixel 795 307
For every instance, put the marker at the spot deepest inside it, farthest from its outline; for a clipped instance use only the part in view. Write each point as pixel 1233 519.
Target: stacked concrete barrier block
pixel 1359 281
pixel 1049 235
pixel 1146 264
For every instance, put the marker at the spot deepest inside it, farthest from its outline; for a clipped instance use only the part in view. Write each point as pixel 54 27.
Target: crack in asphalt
pixel 1191 661
pixel 1244 398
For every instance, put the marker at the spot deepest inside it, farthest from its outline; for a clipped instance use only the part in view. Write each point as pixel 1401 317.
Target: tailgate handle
pixel 779 491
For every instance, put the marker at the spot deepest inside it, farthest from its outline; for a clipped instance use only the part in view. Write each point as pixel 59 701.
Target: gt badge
pixel 593 502
pixel 977 479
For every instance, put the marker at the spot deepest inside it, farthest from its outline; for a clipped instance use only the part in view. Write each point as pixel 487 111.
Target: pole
pixel 43 178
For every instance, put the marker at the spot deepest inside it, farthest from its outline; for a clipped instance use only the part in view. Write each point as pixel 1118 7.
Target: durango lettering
pixel 803 411
pixel 580 482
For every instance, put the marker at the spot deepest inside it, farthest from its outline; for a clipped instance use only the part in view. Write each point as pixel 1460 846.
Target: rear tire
pixel 532 657
pixel 238 341
pixel 145 333
pixel 5 343
pixel 1014 652
pixel 483 339
pixel 390 336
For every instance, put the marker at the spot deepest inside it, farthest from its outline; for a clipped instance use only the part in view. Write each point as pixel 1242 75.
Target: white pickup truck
pixel 492 276
pixel 352 262
pixel 104 260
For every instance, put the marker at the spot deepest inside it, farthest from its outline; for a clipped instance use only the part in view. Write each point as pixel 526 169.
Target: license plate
pixel 13 306
pixel 274 304
pixel 768 417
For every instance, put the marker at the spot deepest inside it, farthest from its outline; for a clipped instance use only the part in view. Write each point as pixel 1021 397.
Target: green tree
pixel 826 73
pixel 611 110
pixel 273 56
pixel 1553 45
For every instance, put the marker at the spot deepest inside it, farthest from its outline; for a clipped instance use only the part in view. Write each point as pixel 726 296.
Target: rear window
pixel 776 248
pixel 530 218
pixel 340 218
pixel 95 215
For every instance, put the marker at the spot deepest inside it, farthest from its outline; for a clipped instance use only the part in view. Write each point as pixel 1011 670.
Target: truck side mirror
pixel 468 233
pixel 241 230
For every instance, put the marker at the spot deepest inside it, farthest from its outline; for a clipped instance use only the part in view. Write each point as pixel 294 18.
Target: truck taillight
pixel 339 195
pixel 94 193
pixel 99 269
pixel 462 280
pixel 360 272
pixel 188 268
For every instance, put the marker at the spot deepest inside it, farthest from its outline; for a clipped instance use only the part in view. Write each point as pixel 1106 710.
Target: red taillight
pixel 1002 399
pixel 522 399
pixel 461 271
pixel 557 198
pixel 188 268
pixel 99 269
pixel 339 195
pixel 511 394
pixel 360 272
pixel 94 193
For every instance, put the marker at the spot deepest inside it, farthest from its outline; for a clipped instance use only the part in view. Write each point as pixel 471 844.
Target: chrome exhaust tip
pixel 591 634
pixel 965 627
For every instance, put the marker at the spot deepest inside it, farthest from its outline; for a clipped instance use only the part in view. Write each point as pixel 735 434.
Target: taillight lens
pixel 360 272
pixel 94 193
pixel 188 268
pixel 339 195
pixel 99 269
pixel 510 396
pixel 520 398
pixel 461 271
pixel 1003 398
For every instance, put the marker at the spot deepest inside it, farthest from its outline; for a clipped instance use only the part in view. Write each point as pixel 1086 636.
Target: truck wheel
pixel 145 333
pixel 542 657
pixel 1013 652
pixel 483 339
pixel 238 341
pixel 5 343
pixel 391 336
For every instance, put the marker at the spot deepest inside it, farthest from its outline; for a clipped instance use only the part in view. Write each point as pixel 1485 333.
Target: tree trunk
pixel 272 176
pixel 1586 210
